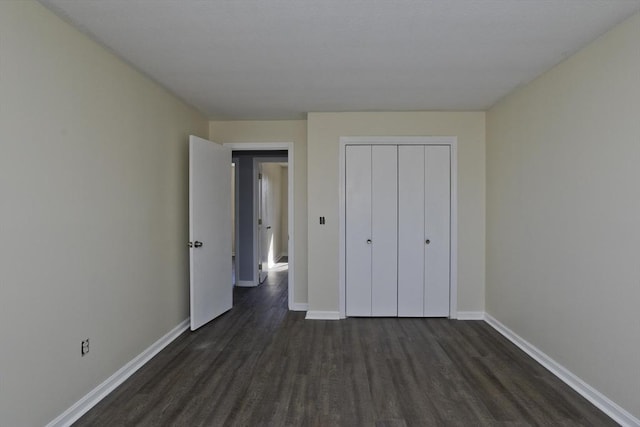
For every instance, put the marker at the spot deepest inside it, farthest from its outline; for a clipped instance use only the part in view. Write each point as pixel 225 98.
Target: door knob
pixel 368 241
pixel 426 242
pixel 197 244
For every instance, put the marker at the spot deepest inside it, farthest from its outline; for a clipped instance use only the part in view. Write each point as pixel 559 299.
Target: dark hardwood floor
pixel 262 365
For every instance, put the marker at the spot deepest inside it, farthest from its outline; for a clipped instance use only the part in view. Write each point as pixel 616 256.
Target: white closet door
pixel 384 227
pixel 437 210
pixel 411 242
pixel 358 238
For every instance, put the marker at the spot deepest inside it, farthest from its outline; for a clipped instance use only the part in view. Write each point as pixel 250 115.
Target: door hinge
pixel 259 221
pixel 259 267
pixel 259 176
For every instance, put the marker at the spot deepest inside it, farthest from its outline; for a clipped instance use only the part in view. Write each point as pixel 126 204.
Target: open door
pixel 209 230
pixel 263 226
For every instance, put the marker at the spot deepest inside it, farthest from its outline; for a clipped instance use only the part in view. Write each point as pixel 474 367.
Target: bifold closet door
pixel 424 206
pixel 384 227
pixel 437 212
pixel 358 230
pixel 411 234
pixel 371 177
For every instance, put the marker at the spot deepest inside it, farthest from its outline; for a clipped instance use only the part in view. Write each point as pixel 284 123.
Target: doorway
pixel 233 222
pixel 272 204
pixel 266 230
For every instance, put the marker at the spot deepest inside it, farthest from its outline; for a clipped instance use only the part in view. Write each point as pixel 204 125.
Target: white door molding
pixel 450 141
pixel 274 146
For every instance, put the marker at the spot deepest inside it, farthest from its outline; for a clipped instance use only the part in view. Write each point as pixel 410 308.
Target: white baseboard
pixel 299 306
pixel 470 315
pixel 282 254
pixel 246 283
pixel 83 405
pixel 323 315
pixel 606 405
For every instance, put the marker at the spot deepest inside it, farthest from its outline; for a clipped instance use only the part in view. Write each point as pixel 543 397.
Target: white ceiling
pixel 278 59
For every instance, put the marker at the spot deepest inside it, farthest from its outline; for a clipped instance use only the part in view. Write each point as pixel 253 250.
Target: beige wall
pixel 294 131
pixel 324 131
pixel 563 184
pixel 93 185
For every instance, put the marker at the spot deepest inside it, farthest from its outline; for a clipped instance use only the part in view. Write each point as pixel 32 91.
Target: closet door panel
pixel 384 226
pixel 437 210
pixel 411 244
pixel 358 230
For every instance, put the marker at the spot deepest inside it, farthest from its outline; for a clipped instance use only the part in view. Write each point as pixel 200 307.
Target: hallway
pixel 260 364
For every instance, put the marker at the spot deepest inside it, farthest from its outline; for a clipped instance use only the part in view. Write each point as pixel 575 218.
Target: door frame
pixel 258 220
pixel 452 142
pixel 236 238
pixel 274 146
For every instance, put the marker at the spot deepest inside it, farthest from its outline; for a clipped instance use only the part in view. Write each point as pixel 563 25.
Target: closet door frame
pixel 450 141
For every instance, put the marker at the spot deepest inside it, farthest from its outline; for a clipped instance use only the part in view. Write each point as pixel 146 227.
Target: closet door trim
pixel 450 141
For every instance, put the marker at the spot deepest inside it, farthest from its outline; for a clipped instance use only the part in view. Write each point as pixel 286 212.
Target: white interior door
pixel 384 230
pixel 437 212
pixel 263 221
pixel 209 231
pixel 358 239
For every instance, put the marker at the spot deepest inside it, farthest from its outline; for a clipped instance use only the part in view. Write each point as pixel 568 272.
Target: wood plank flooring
pixel 262 365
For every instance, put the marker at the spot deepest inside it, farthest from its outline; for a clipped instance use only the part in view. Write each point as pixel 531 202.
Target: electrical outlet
pixel 84 349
